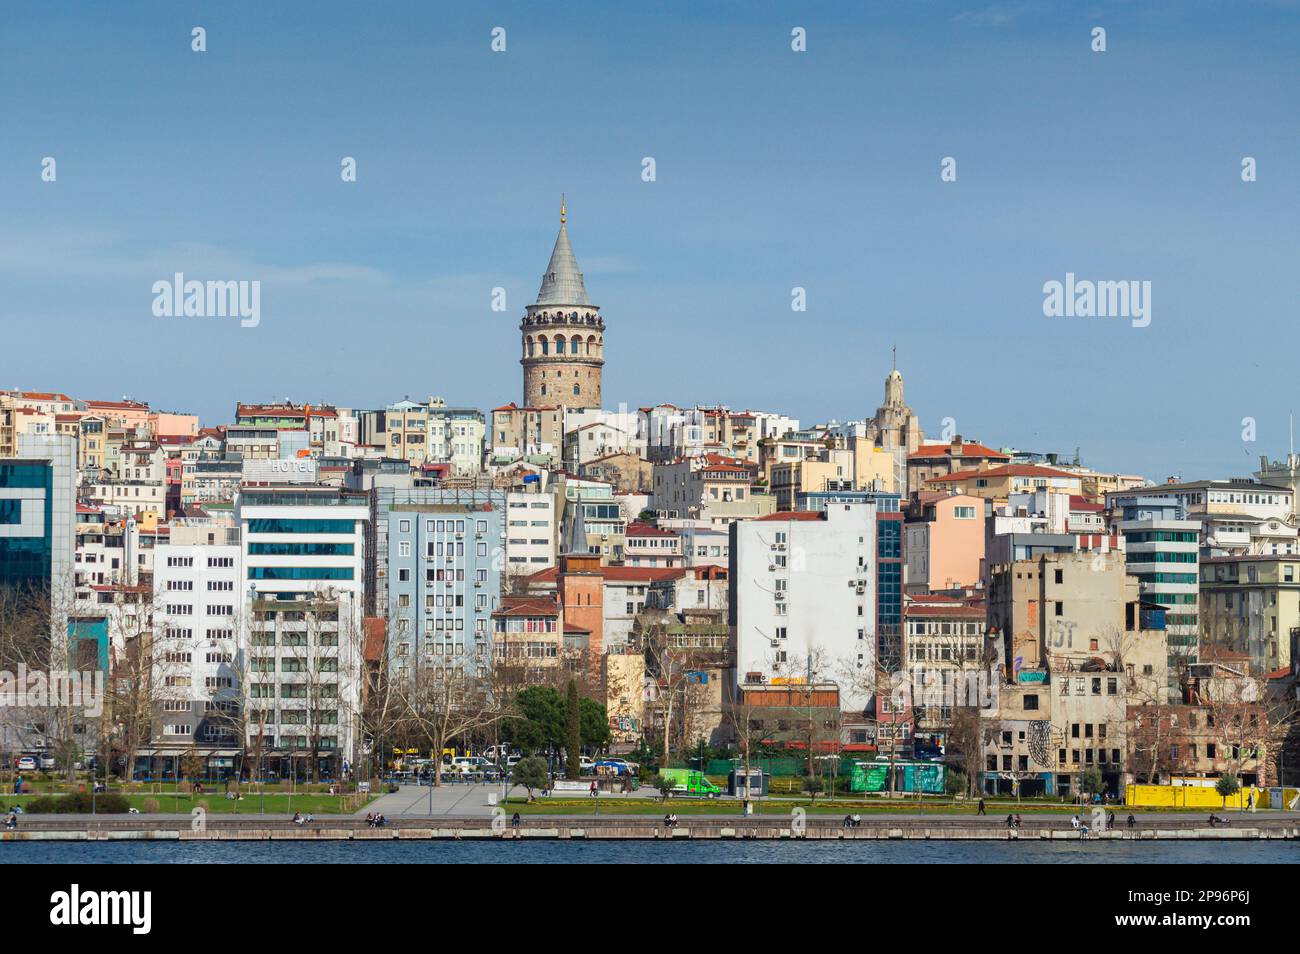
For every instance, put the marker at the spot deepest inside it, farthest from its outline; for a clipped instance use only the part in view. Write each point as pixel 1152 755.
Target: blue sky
pixel 774 170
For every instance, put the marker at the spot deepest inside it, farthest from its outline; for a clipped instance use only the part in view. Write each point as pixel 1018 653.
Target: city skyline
pixel 779 174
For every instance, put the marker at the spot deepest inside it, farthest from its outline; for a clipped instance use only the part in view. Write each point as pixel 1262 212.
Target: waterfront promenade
pixel 1161 827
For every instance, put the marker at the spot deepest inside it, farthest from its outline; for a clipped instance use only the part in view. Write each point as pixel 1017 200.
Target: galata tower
pixel 563 336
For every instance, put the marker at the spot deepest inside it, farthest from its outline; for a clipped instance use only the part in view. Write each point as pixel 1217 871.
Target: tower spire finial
pixel 561 208
pixel 895 350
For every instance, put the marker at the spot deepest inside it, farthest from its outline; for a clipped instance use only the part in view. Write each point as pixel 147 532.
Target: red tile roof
pixel 527 606
pixel 967 449
pixel 1010 470
pixel 42 396
pixel 617 574
pixel 645 530
pixel 796 515
pixel 119 405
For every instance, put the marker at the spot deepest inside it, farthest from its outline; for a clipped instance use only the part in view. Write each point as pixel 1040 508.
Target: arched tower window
pixel 577 390
pixel 559 344
pixel 575 344
pixel 531 346
pixel 546 344
pixel 591 344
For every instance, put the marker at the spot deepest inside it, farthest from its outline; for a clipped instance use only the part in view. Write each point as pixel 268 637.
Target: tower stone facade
pixel 895 424
pixel 563 336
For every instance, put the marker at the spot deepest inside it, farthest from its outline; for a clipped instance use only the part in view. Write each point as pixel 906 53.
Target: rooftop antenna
pixel 1291 415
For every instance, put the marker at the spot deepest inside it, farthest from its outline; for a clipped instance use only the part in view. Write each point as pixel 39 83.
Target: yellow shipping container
pixel 1190 796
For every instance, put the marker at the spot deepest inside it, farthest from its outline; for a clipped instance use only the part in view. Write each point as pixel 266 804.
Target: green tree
pixel 539 722
pixel 531 774
pixel 573 733
pixel 665 786
pixel 1091 782
pixel 812 785
pixel 1227 786
pixel 595 725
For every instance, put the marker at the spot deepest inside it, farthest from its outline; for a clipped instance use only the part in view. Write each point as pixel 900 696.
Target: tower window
pixel 577 389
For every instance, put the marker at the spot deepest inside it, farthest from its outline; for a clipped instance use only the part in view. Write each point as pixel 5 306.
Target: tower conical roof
pixel 562 283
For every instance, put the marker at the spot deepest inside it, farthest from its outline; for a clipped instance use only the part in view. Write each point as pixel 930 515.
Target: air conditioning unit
pixel 771 567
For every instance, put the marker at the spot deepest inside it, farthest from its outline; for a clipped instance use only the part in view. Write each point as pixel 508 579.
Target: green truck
pixel 690 782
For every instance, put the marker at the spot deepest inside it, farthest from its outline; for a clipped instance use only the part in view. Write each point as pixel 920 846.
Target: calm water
pixel 649 852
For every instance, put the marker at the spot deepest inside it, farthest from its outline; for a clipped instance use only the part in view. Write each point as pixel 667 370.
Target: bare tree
pixel 444 703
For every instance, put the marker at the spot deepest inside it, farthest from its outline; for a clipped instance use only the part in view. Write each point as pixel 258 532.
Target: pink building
pixel 944 541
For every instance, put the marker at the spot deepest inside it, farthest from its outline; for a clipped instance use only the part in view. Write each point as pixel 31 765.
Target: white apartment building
pixel 198 602
pixel 456 436
pixel 704 543
pixel 1238 517
pixel 303 553
pixel 532 532
pixel 802 584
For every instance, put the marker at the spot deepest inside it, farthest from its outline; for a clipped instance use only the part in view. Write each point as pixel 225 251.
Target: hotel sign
pixel 282 470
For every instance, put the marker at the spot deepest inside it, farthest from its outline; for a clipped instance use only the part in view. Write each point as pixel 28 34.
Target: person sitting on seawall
pixel 11 821
pixel 514 821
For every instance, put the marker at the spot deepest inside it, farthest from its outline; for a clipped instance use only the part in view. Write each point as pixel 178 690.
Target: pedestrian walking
pixel 981 808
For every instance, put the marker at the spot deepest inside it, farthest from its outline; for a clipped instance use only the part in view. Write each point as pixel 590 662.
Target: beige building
pixel 832 470
pixel 526 432
pixel 627 473
pixel 998 483
pixel 1251 605
pixel 625 692
pixel 942 460
pixel 1077 649
pixel 691 487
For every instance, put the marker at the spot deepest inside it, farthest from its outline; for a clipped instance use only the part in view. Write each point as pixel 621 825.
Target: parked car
pixel 48 764
pixel 471 763
pixel 630 766
pixel 26 764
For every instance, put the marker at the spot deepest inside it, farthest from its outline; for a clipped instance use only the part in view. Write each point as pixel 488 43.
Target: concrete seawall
pixel 628 828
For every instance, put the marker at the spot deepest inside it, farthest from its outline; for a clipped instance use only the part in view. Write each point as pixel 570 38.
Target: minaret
pixel 563 335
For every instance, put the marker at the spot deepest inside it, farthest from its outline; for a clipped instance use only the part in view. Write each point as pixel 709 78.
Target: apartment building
pixel 532 531
pixel 1251 605
pixel 804 584
pixel 303 552
pixel 439 573
pixel 200 653
pixel 1162 548
pixel 944 541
